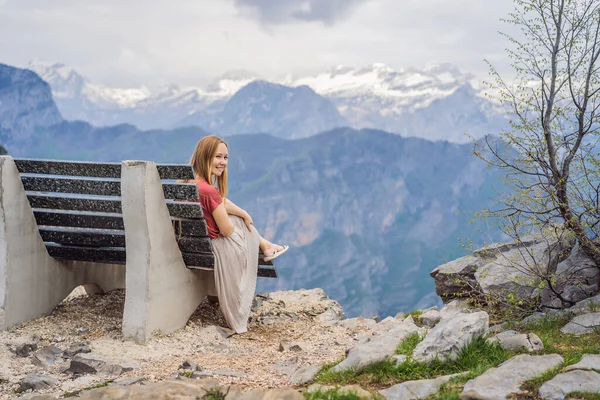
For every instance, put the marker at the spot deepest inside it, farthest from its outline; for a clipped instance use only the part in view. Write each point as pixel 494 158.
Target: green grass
pixel 78 392
pixel 214 394
pixel 408 345
pixel 333 394
pixel 584 396
pixel 476 358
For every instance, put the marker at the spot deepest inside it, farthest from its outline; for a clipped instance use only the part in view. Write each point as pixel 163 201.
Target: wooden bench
pixel 89 231
pixel 89 226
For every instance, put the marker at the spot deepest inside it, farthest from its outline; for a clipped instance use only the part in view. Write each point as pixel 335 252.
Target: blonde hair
pixel 202 160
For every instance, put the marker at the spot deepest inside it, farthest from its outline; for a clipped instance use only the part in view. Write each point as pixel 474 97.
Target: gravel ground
pixel 96 320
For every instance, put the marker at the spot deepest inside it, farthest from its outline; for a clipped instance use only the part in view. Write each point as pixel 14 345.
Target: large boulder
pixel 576 278
pixel 293 305
pixel 501 270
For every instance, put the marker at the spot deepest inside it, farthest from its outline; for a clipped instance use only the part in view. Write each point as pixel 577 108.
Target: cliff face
pixel 26 104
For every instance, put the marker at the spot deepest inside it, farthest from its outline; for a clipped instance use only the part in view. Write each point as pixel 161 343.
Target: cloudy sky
pixel 191 42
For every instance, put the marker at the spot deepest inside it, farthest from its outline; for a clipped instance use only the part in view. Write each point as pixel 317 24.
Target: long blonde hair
pixel 202 160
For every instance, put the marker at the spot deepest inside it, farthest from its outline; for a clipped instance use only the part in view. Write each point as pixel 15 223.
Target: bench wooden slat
pixel 79 219
pixel 182 209
pixel 72 168
pixel 96 169
pixel 111 238
pixel 110 255
pixel 189 227
pixel 81 237
pixel 101 187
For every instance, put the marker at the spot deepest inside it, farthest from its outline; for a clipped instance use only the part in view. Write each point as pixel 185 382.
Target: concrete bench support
pixel 161 292
pixel 31 282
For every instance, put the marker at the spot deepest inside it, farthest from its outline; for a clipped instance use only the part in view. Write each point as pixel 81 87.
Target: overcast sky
pixel 191 42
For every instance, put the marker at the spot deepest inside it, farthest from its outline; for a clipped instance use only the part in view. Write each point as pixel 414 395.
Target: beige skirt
pixel 236 266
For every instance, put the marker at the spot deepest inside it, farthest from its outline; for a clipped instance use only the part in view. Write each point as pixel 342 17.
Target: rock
pixel 512 341
pixel 585 306
pixel 453 307
pixel 36 396
pixel 305 374
pixel 84 290
pixel 292 305
pixel 399 358
pixel 189 365
pixel 420 389
pixel 37 382
pixel 582 324
pixel 129 381
pixel 45 357
pixel 378 348
pixel 574 381
pixel 450 335
pixel 507 378
pixel 499 269
pixel 588 362
pixel 400 315
pixel 430 318
pixel 353 323
pixel 25 349
pixel 91 363
pixel 289 346
pixel 287 367
pixel 187 389
pixel 76 349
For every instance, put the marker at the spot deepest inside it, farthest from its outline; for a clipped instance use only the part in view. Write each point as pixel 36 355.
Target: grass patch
pixel 477 357
pixel 408 344
pixel 533 385
pixel 214 394
pixel 583 396
pixel 187 374
pixel 334 394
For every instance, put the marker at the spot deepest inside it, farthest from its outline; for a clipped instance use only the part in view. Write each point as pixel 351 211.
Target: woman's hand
pixel 248 221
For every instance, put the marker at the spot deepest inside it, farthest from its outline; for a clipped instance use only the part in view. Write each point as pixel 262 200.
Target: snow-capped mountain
pixel 379 97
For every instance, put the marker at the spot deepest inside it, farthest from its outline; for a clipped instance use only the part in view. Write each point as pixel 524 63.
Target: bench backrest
pixel 77 207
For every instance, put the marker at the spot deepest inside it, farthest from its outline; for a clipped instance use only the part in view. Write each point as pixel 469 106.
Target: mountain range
pixel 438 102
pixel 368 213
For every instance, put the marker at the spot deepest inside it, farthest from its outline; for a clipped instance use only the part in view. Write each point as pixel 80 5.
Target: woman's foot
pixel 272 251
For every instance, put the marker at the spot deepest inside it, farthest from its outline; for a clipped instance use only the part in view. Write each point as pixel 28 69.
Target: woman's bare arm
pixel 235 210
pixel 222 219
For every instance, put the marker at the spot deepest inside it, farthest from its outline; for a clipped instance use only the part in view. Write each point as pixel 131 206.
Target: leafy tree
pixel 553 164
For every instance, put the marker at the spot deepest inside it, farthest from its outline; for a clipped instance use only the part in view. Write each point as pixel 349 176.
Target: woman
pixel 235 240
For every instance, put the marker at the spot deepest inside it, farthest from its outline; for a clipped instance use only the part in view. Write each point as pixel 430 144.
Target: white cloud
pixel 193 41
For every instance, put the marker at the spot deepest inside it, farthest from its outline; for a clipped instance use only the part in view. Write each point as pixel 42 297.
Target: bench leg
pixel 31 282
pixel 161 293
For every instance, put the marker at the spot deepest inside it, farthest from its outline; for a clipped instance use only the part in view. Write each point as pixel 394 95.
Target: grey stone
pixel 588 362
pixel 305 374
pixel 582 324
pixel 91 363
pixel 37 382
pixel 453 307
pixel 430 318
pixel 507 378
pixel 287 367
pixel 420 389
pixel 76 349
pixel 354 390
pixel 400 315
pixel 289 346
pixel 399 358
pixel 450 335
pixel 585 306
pixel 513 341
pixel 189 365
pixel 45 357
pixel 500 269
pixel 80 383
pixel 353 323
pixel 573 381
pixel 25 349
pixel 129 381
pixel 378 349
